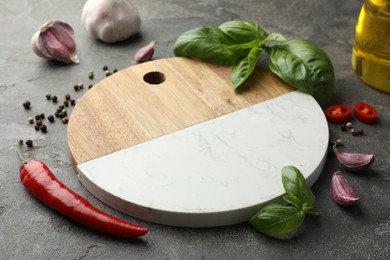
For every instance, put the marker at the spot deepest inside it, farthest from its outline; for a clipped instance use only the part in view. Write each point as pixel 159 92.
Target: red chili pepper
pixel 41 182
pixel 339 113
pixel 365 113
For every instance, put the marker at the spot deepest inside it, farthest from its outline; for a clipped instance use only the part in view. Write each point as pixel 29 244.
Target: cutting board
pixel 169 141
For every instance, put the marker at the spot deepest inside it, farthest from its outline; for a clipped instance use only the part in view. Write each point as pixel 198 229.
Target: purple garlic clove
pixel 55 41
pixel 145 53
pixel 354 161
pixel 341 190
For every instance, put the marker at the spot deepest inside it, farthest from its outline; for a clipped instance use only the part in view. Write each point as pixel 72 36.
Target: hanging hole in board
pixel 154 77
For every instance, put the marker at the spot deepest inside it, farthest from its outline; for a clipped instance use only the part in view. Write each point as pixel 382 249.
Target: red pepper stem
pixel 22 158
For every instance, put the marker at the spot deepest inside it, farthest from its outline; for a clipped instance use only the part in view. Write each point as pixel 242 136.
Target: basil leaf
pixel 304 66
pixel 276 219
pixel 208 44
pixel 242 69
pixel 242 32
pixel 274 37
pixel 298 193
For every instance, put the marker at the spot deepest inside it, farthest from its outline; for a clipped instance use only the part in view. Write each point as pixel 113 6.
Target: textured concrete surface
pixel 30 230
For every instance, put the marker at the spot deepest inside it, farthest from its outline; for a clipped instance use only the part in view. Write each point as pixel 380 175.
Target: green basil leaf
pixel 298 193
pixel 276 219
pixel 304 66
pixel 242 32
pixel 208 44
pixel 242 69
pixel 274 37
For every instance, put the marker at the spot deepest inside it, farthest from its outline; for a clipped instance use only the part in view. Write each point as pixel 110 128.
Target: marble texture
pixel 215 173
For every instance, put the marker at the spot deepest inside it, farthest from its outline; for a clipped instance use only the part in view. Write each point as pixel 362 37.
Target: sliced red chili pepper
pixel 365 113
pixel 339 113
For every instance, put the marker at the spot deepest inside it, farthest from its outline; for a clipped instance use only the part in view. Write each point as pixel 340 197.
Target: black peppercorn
pixel 38 122
pixel 42 116
pixel 76 87
pixel 37 117
pixel 36 127
pixel 48 96
pixel 90 74
pixel 73 102
pixel 67 96
pixel 65 120
pixel 90 86
pixel 31 120
pixel 105 67
pixel 29 143
pixel 43 128
pixel 66 103
pixel 54 99
pixel 108 73
pixel 50 118
pixel 27 104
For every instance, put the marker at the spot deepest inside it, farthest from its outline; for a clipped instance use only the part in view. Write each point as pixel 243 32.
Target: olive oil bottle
pixel 371 50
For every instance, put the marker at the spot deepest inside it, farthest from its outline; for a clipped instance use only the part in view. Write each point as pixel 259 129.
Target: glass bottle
pixel 371 50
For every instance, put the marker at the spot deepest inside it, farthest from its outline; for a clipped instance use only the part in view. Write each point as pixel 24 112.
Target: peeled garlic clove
pixel 54 40
pixel 342 191
pixel 354 161
pixel 110 20
pixel 145 53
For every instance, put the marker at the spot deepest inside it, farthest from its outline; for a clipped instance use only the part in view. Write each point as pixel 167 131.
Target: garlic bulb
pixel 110 20
pixel 54 40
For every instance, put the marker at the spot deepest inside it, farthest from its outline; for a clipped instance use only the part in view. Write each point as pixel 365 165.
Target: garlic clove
pixel 342 191
pixel 54 40
pixel 145 53
pixel 110 20
pixel 354 161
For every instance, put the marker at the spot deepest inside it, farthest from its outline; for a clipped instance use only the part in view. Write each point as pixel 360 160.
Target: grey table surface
pixel 30 230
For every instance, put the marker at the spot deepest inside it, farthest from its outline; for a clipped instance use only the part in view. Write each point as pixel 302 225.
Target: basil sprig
pixel 239 44
pixel 278 219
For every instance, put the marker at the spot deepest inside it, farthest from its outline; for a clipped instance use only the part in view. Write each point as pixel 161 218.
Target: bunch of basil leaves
pixel 277 219
pixel 238 43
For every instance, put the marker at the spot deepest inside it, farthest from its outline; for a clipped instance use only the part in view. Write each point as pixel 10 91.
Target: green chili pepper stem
pixel 22 158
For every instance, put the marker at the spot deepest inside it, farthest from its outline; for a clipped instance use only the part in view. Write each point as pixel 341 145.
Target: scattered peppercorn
pixel 36 127
pixel 60 108
pixel 27 104
pixel 115 71
pixel 38 122
pixel 37 117
pixel 76 87
pixel 81 85
pixel 48 96
pixel 29 143
pixel 91 74
pixel 31 120
pixel 105 67
pixel 343 128
pixel 348 125
pixel 50 118
pixel 90 86
pixel 54 99
pixel 57 114
pixel 73 102
pixel 65 120
pixel 42 116
pixel 66 103
pixel 108 73
pixel 43 128
pixel 67 96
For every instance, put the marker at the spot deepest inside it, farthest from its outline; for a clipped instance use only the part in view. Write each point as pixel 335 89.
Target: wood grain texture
pixel 123 110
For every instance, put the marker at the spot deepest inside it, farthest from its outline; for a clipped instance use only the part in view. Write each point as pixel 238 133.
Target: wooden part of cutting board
pixel 123 109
